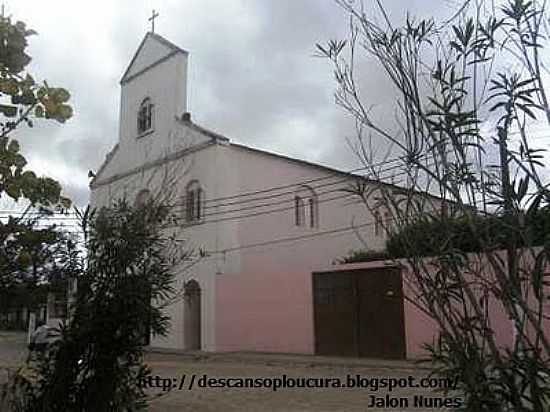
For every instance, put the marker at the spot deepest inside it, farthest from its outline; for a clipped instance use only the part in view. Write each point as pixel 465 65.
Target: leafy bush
pixel 97 364
pixel 355 256
pixel 432 235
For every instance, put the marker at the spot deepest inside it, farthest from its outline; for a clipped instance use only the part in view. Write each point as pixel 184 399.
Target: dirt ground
pixel 169 369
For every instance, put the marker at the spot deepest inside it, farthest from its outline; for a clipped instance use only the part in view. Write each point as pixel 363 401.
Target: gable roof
pixel 172 49
pixel 219 138
pixel 99 181
pixel 166 42
pixel 106 161
pixel 209 133
pixel 213 139
pixel 349 174
pixel 216 138
pixel 292 159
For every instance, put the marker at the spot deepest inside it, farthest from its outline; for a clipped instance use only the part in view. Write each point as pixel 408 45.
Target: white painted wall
pixel 259 171
pixel 222 170
pixel 166 85
pixel 199 166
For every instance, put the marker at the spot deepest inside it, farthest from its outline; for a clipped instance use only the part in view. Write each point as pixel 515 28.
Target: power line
pixel 73 215
pixel 265 212
pixel 300 183
pixel 6 215
pixel 260 213
pixel 291 239
pixel 54 219
pixel 281 209
pixel 341 180
pixel 261 205
pixel 284 240
pixel 298 238
pixel 245 216
pixel 70 214
pixel 37 214
pixel 303 182
pixel 295 238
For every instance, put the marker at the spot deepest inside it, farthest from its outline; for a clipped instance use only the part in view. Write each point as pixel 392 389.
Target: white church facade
pixel 261 222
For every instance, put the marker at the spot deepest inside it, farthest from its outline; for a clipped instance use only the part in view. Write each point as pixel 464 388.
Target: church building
pixel 264 225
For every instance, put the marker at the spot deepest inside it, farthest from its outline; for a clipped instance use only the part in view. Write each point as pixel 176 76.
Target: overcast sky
pixel 253 77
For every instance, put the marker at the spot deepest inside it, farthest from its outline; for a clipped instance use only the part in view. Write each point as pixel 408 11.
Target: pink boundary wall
pixel 265 312
pixel 273 312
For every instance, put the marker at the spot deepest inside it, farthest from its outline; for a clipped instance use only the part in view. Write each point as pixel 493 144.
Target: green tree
pixel 31 263
pixel 97 365
pixel 22 101
pixel 462 86
pixel 27 255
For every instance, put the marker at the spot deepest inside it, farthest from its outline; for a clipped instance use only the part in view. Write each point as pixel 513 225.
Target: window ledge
pixel 303 227
pixel 146 133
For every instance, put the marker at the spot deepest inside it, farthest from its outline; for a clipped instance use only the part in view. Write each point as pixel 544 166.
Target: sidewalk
pixel 13 348
pixel 174 365
pixel 13 351
pixel 161 356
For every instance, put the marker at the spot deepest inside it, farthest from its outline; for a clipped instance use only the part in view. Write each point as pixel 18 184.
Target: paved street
pixel 171 368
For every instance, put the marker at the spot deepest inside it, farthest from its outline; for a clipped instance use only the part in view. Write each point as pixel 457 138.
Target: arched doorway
pixel 192 316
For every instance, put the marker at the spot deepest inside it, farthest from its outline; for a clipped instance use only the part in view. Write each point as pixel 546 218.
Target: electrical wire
pixel 341 180
pixel 291 239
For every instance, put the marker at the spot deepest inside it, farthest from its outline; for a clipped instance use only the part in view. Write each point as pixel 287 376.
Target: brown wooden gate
pixel 359 313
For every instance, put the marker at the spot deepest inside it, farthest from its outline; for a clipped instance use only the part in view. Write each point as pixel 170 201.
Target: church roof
pixel 166 42
pixel 218 138
pixel 170 50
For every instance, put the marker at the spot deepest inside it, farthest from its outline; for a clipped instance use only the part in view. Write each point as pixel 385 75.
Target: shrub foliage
pixel 97 364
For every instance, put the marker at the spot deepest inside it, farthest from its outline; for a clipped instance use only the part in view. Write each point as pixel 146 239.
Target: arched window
pixel 145 116
pixel 299 211
pixel 312 209
pixel 306 210
pixel 142 197
pixel 193 202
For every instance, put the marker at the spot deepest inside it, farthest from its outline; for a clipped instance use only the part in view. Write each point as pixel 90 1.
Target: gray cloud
pixel 253 76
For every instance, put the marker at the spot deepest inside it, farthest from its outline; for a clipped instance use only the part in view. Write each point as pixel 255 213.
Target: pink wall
pixel 251 316
pixel 421 329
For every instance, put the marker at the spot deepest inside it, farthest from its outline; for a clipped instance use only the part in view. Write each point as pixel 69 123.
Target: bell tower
pixel 153 90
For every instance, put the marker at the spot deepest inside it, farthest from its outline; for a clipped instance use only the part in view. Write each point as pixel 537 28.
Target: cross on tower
pixel 154 15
